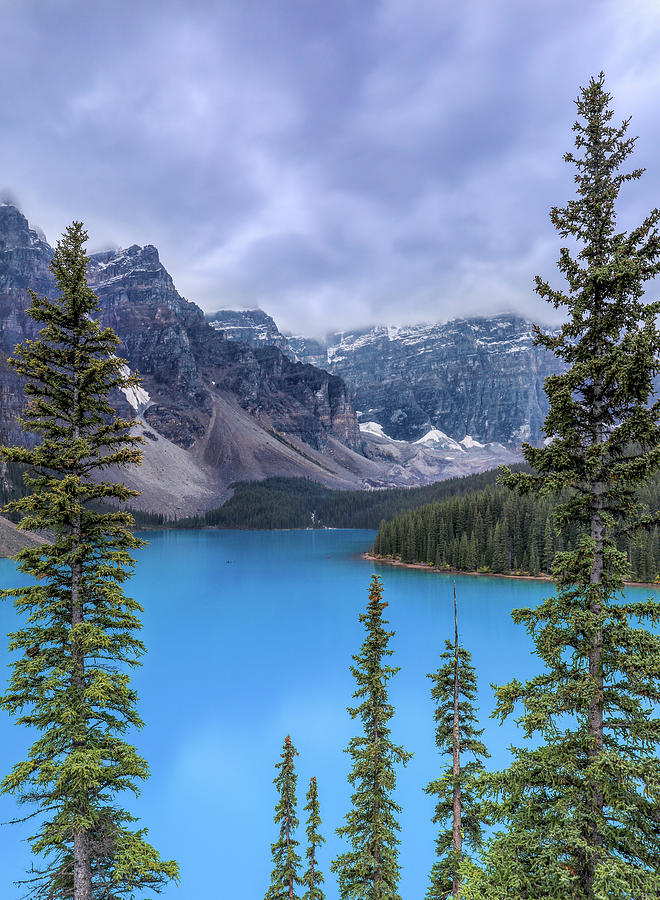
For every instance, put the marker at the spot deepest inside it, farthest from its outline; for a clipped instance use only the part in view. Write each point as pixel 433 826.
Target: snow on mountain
pixel 138 398
pixel 435 456
pixel 468 442
pixel 435 436
pixel 372 428
pixel 250 326
pixel 480 377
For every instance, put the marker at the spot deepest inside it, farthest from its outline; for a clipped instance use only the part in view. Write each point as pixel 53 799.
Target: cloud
pixel 337 164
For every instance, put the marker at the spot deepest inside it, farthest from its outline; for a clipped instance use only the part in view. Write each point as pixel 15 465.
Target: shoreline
pixel 391 561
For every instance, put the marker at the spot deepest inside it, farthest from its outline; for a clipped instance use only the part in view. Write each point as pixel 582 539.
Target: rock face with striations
pixel 159 333
pixel 481 377
pixel 24 260
pixel 249 326
pixel 182 360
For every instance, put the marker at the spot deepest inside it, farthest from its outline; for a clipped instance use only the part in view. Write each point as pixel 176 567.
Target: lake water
pixel 249 638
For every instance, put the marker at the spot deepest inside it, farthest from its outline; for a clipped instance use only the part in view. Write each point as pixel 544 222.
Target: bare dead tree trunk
pixel 457 840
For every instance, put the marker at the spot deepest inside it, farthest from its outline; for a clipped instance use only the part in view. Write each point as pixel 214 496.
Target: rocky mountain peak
pixel 137 273
pixel 15 231
pixel 250 326
pixel 481 376
pixel 189 370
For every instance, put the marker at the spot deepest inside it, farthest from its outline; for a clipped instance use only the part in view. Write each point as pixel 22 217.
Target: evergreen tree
pixel 582 808
pixel 532 517
pixel 548 545
pixel 500 555
pixel 473 555
pixel 534 564
pixel 463 552
pixel 313 877
pixel 286 861
pixel 454 692
pixel 70 685
pixel 370 869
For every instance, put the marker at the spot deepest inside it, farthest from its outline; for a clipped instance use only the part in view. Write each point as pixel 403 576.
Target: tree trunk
pixel 82 864
pixel 376 808
pixel 457 841
pixel 82 874
pixel 595 837
pixel 288 847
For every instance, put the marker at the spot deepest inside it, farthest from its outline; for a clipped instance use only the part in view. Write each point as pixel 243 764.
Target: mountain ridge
pixel 285 414
pixel 480 377
pixel 234 399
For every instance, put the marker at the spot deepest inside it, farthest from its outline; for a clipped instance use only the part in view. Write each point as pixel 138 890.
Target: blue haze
pixel 249 638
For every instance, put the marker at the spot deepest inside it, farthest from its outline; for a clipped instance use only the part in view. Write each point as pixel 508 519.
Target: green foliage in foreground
pixel 313 877
pixel 70 686
pixel 370 869
pixel 579 802
pixel 457 737
pixel 285 876
pixel 496 531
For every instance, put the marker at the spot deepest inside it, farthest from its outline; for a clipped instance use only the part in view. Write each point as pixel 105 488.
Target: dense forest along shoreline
pixel 392 561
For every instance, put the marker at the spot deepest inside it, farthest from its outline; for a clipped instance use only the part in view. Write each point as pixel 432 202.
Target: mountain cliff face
pixel 250 326
pixel 481 377
pixel 193 377
pixel 184 361
pixel 24 260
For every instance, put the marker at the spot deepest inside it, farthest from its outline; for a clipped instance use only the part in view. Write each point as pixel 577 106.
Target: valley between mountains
pixel 227 397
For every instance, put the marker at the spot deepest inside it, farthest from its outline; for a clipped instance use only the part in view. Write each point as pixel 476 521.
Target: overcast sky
pixel 336 162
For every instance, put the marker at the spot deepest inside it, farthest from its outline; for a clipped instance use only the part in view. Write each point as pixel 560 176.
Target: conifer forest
pixel 492 531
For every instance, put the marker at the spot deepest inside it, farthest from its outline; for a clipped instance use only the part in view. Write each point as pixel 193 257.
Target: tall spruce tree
pixel 370 869
pixel 313 877
pixel 70 684
pixel 454 691
pixel 285 876
pixel 582 807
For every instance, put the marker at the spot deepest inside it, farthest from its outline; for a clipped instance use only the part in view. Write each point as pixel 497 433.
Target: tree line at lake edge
pixel 494 531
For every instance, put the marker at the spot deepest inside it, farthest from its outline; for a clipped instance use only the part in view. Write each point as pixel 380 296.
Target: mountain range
pixel 481 377
pixel 227 397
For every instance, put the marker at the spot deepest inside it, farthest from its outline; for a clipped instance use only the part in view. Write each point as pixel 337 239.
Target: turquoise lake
pixel 249 638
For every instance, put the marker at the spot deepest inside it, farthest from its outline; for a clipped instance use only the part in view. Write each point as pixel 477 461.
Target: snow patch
pixel 376 430
pixel 373 428
pixel 469 442
pixel 435 436
pixel 136 396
